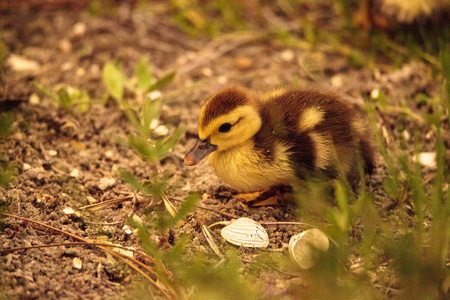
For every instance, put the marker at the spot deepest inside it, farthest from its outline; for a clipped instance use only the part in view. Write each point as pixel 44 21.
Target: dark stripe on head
pixel 223 103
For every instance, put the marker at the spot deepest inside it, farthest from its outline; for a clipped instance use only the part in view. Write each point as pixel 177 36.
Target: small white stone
pixel 69 211
pixel 77 263
pixel 207 72
pixel 109 154
pixel 65 45
pixel 287 55
pixel 154 95
pixel 137 219
pixel 26 167
pixel 34 99
pixel 95 70
pixel 337 81
pixel 22 64
pixel 66 66
pixel 127 229
pixel 187 186
pixel 426 159
pixel 75 173
pixel 375 93
pixel 80 72
pixel 222 80
pixel 406 135
pixel 52 152
pixel 105 183
pixel 161 130
pixel 79 29
pixel 91 200
pixel 154 124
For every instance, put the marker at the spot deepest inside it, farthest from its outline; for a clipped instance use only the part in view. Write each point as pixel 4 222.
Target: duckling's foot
pixel 263 198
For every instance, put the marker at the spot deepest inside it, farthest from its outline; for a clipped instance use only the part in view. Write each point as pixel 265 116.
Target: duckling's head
pixel 228 119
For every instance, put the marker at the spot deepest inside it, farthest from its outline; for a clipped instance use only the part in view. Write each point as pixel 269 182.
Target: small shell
pixel 305 248
pixel 245 232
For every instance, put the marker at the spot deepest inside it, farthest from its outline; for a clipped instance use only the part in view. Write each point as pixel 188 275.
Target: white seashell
pixel 245 232
pixel 305 248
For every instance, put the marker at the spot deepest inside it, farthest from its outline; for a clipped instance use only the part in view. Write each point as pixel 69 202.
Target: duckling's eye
pixel 225 127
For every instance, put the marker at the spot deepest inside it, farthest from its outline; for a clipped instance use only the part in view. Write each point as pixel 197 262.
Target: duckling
pixel 256 142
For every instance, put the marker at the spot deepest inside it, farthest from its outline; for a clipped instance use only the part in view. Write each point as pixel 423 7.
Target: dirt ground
pixel 64 156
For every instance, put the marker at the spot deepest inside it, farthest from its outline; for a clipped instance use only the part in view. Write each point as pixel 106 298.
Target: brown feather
pixel 224 102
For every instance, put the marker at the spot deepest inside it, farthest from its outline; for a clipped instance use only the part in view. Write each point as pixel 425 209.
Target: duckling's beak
pixel 199 152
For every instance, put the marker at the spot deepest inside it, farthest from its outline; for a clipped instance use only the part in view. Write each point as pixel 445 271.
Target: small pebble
pixel 79 29
pixel 137 219
pixel 109 154
pixel 34 99
pixel 161 130
pixel 243 62
pixel 77 263
pixel 207 72
pixel 337 81
pixel 105 183
pixel 80 72
pixel 287 55
pixel 154 95
pixel 66 66
pixel 426 159
pixel 91 200
pixel 75 173
pixel 65 45
pixel 222 80
pixel 22 64
pixel 375 93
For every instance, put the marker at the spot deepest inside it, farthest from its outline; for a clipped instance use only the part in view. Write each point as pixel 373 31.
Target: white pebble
pixel 222 80
pixel 69 211
pixel 137 219
pixel 80 72
pixel 65 45
pixel 161 130
pixel 105 183
pixel 154 95
pixel 375 93
pixel 287 55
pixel 77 263
pixel 79 29
pixel 22 64
pixel 75 173
pixel 34 99
pixel 207 72
pixel 109 154
pixel 406 135
pixel 426 159
pixel 337 81
pixel 91 200
pixel 154 124
pixel 66 66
